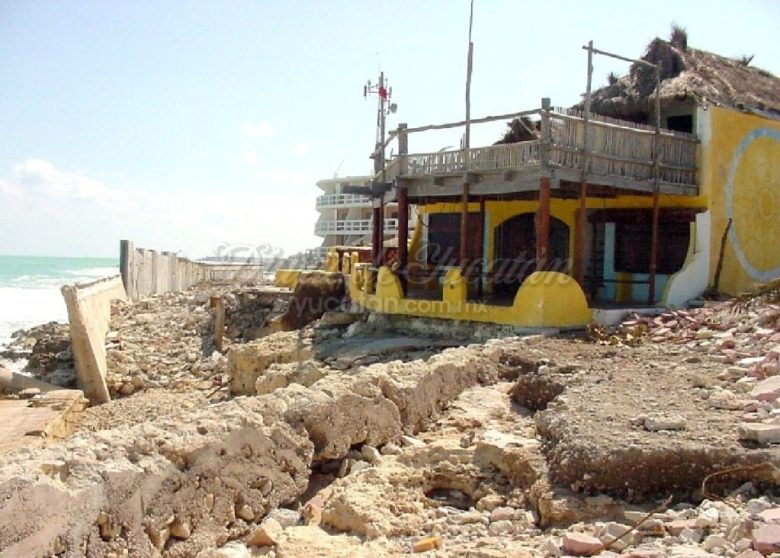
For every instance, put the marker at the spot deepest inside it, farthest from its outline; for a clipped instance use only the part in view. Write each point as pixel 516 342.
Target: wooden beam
pixel 653 251
pixel 656 189
pixel 619 57
pixel 543 224
pixel 580 221
pixel 464 225
pixel 472 121
pixel 376 226
pixel 219 321
pixel 403 234
pixel 482 254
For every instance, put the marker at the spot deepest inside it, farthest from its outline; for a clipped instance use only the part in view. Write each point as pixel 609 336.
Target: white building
pixel 345 219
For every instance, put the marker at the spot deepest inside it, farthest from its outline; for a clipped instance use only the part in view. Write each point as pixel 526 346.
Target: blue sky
pixel 185 125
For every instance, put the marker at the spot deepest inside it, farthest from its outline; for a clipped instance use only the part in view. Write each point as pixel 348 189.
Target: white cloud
pixel 42 177
pixel 301 149
pixel 9 189
pixel 250 157
pixel 47 210
pixel 262 130
pixel 283 176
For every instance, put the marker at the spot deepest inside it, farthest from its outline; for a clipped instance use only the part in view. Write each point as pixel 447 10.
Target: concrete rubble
pixel 653 440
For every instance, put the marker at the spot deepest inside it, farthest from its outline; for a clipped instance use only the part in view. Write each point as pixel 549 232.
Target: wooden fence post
pixel 219 321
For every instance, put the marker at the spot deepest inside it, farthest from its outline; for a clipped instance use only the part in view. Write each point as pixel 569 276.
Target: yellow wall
pixel 740 174
pixel 545 300
pixel 499 211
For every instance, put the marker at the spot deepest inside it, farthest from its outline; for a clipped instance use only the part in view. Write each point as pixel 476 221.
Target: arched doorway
pixel 515 251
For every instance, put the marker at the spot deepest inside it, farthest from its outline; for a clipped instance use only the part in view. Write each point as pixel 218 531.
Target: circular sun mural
pixel 753 203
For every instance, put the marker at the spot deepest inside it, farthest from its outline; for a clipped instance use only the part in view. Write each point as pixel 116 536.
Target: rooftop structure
pixel 594 207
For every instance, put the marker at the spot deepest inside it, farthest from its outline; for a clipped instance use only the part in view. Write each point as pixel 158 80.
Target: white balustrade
pixel 343 200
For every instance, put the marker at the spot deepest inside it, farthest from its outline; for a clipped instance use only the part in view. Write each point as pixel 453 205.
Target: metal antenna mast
pixel 384 107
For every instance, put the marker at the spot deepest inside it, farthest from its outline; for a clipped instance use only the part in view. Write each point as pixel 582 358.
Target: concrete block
pixel 89 313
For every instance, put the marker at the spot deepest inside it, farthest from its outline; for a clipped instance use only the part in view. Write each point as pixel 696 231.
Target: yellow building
pixel 546 230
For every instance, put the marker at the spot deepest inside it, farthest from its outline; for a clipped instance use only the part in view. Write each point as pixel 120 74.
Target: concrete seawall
pixel 145 272
pixel 89 314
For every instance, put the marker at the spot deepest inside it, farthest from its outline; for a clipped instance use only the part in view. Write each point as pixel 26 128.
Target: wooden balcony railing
pixel 496 157
pixel 620 148
pixel 616 149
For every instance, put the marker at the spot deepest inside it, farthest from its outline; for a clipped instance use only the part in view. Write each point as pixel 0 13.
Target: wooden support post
pixel 403 234
pixel 580 261
pixel 219 321
pixel 376 235
pixel 579 237
pixel 594 286
pixel 482 257
pixel 546 139
pixel 543 224
pixel 656 190
pixel 464 226
pixel 381 227
pixel 653 250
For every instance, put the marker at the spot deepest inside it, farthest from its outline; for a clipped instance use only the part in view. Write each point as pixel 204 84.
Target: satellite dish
pixel 393 107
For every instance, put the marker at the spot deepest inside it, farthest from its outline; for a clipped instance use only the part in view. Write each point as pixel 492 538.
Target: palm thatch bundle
pixel 687 74
pixel 520 129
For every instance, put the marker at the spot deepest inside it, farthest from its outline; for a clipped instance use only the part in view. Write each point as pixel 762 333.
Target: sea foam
pixel 31 299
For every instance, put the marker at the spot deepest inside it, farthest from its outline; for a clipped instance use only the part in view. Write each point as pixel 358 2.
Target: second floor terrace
pixel 354 226
pixel 568 147
pixel 331 201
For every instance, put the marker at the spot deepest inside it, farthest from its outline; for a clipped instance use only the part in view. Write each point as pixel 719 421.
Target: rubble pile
pixel 474 484
pixel 249 312
pixel 203 476
pixel 657 441
pixel 745 339
pixel 164 341
pixel 47 350
pixel 745 525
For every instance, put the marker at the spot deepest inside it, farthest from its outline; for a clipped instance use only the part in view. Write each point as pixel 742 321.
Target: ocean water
pixel 30 288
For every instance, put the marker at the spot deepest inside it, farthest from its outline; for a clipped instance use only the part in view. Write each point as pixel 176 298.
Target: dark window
pixel 682 123
pixel 515 251
pixel 632 246
pixel 444 238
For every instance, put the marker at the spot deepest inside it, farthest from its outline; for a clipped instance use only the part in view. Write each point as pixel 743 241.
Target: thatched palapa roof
pixel 687 74
pixel 520 129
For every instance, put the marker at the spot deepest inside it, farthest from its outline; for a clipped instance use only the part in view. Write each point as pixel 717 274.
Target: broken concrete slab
pixel 763 433
pixel 340 413
pixel 50 415
pixel 278 376
pixel 14 381
pixel 247 362
pixel 89 314
pixel 421 394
